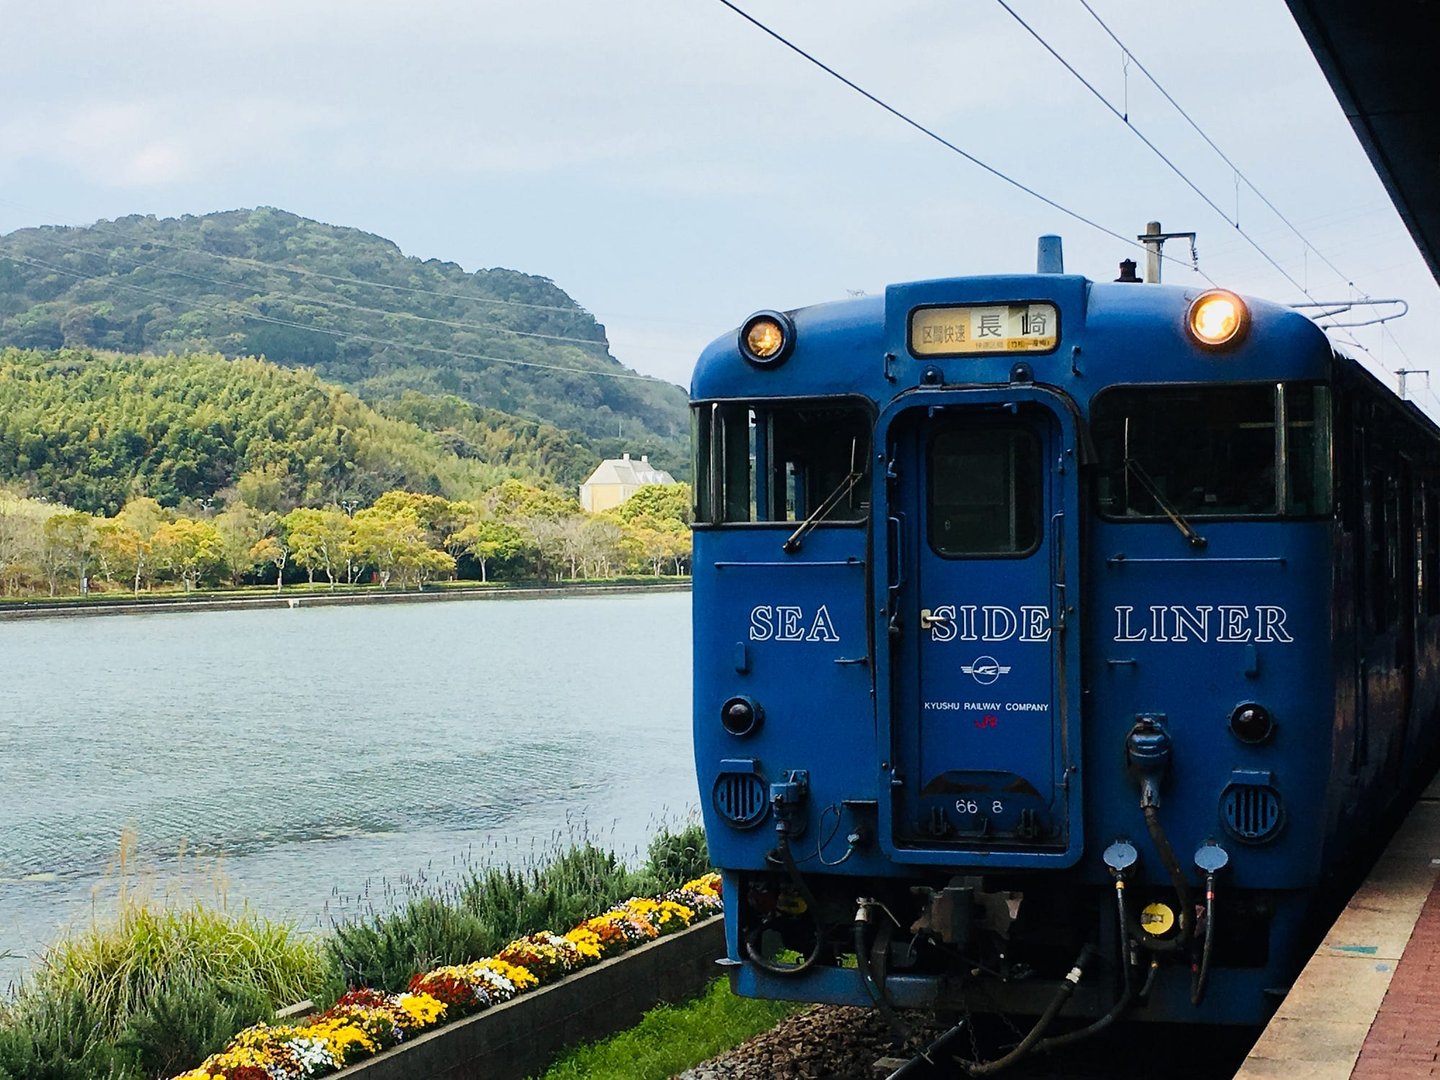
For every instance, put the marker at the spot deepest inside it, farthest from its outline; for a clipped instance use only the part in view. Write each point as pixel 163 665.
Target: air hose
pixel 1202 973
pixel 1036 1033
pixel 1127 993
pixel 873 986
pixel 1172 867
pixel 752 938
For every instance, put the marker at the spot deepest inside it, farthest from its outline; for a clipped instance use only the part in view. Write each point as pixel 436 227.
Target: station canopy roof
pixel 1382 58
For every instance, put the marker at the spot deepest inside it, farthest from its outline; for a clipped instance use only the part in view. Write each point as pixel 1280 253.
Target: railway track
pixel 842 1043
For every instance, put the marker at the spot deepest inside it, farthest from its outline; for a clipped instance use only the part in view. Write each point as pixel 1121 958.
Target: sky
pixel 675 169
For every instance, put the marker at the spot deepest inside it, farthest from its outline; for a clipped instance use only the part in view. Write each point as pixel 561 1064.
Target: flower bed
pixel 365 1022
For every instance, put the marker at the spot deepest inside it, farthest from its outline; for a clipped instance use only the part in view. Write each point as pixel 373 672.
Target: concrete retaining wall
pixel 275 600
pixel 524 1036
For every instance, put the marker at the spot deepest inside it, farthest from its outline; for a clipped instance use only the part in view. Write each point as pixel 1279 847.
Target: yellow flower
pixel 586 942
pixel 423 1009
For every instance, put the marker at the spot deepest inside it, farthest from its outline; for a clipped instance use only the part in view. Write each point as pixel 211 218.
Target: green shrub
pixel 158 986
pixel 677 857
pixel 492 907
pixel 58 1036
pixel 183 1025
pixel 385 951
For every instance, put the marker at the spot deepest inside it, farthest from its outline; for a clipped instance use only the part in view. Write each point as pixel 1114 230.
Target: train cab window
pixel 1239 450
pixel 984 492
pixel 782 462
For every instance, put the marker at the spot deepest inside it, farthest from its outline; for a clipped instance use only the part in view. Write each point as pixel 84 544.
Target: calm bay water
pixel 307 760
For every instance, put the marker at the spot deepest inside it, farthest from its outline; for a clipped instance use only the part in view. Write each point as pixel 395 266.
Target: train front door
pixel 983 686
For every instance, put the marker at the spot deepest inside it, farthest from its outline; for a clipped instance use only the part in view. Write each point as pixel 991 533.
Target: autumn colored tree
pixel 127 540
pixel 189 550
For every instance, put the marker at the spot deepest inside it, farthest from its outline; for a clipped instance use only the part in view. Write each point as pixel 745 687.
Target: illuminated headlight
pixel 1218 318
pixel 767 338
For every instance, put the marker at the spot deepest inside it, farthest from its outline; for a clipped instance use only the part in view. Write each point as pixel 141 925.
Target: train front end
pixel 933 771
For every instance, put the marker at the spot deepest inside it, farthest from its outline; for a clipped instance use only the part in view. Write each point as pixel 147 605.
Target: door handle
pixel 929 620
pixel 895 528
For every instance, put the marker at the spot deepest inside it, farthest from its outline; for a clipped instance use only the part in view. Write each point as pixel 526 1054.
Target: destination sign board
pixel 984 328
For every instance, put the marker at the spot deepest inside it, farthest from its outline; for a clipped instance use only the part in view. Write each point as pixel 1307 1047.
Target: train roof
pixel 1107 333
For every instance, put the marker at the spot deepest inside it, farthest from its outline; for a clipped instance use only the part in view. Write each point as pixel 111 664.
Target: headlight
pixel 767 338
pixel 1217 318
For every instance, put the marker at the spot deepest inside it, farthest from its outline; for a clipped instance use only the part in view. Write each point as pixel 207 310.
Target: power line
pixel 1124 118
pixel 236 309
pixel 1211 142
pixel 931 134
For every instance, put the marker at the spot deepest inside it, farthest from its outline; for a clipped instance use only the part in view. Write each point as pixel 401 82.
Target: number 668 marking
pixel 970 806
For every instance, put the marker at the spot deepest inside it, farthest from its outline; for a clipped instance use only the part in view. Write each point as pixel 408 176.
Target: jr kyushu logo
pixel 985 669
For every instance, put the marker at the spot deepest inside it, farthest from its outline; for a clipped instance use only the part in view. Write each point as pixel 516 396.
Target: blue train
pixel 1055 643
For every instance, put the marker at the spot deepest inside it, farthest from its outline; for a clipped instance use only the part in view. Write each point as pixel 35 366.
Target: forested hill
pixel 92 429
pixel 346 303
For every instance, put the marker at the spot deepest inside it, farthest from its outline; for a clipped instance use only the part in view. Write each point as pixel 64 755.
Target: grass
pixel 153 988
pixel 673 1038
pixel 459 921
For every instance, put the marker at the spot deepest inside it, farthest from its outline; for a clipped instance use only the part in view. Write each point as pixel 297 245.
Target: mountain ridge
pixel 346 303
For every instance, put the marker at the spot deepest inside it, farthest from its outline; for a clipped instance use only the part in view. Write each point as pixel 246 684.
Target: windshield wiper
pixel 1177 519
pixel 792 543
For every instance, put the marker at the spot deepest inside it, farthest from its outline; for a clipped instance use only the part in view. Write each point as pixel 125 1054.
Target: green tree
pixel 71 543
pixel 659 501
pixel 318 539
pixel 22 539
pixel 513 500
pixel 265 487
pixel 386 540
pixel 189 549
pixel 241 527
pixel 488 539
pixel 273 548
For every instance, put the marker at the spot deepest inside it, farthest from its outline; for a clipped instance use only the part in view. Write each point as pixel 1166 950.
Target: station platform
pixel 1367 1004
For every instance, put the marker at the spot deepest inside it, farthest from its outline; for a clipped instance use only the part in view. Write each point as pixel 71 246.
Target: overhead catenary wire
pixel 1124 118
pixel 235 308
pixel 1239 173
pixel 949 145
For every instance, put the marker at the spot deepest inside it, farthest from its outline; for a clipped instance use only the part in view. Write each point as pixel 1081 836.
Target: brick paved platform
pixel 1367 1006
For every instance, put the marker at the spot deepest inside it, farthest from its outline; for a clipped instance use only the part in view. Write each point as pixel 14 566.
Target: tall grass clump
pixel 150 951
pixel 486 910
pixel 152 988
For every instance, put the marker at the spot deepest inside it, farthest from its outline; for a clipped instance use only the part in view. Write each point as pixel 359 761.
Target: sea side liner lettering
pixel 1159 623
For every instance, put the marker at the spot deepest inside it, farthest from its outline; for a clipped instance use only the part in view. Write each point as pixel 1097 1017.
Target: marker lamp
pixel 767 338
pixel 1217 318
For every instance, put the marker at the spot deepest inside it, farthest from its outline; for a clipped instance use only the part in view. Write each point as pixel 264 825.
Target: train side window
pixel 1381 550
pixel 1213 451
pixel 985 492
pixel 782 462
pixel 1306 450
pixel 1430 554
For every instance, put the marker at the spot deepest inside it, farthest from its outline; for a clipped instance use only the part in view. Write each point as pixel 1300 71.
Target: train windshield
pixel 1246 450
pixel 782 461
